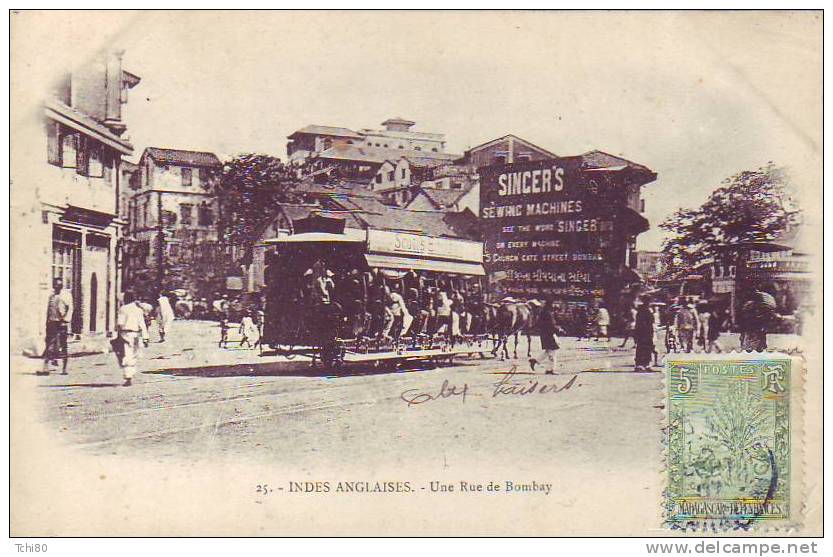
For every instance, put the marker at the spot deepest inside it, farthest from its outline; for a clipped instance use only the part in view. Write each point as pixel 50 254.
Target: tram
pixel 327 292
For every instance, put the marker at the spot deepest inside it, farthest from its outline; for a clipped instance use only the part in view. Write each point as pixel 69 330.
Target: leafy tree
pixel 749 206
pixel 250 186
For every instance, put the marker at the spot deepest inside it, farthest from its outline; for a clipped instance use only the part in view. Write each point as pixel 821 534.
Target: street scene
pixel 193 400
pixel 218 261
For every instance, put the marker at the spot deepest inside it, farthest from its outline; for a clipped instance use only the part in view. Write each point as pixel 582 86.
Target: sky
pixel 695 96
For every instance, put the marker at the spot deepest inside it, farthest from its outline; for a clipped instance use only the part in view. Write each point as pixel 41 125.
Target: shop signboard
pixel 548 231
pixel 420 245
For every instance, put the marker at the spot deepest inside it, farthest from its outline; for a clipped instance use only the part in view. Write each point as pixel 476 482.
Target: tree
pixel 749 206
pixel 250 186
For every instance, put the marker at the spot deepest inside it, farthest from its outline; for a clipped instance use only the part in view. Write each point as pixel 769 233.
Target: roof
pixel 442 199
pixel 69 116
pixel 183 157
pixel 128 166
pixel 427 162
pixel 354 189
pixel 314 129
pixel 378 155
pixel 398 120
pixel 599 160
pixel 514 137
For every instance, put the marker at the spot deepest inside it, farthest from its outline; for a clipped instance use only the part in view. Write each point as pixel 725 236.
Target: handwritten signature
pixel 507 385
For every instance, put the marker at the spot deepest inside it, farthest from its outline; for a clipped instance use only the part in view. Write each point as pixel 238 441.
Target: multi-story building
pixel 173 230
pixel 65 210
pixel 390 143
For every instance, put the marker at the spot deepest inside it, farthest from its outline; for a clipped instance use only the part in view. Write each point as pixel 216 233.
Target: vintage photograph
pixel 400 273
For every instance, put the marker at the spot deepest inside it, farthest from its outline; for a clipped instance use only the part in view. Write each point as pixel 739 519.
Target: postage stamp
pixel 730 440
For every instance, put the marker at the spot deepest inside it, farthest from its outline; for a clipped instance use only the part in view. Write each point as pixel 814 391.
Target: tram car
pixel 331 297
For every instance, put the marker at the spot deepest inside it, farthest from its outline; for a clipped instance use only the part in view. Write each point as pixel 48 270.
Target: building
pixel 65 209
pixel 398 135
pixel 649 264
pixel 564 228
pixel 172 213
pixel 508 149
pixel 313 140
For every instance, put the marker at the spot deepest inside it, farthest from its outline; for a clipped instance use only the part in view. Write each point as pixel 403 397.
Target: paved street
pixel 193 398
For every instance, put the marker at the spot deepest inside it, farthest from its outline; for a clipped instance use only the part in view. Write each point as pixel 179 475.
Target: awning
pixel 455 267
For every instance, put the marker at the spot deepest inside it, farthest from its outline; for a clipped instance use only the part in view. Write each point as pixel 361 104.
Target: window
pixel 109 163
pixel 641 205
pixel 187 176
pixel 524 157
pixel 379 178
pixel 95 166
pixel 385 145
pixel 389 175
pixel 185 213
pixel 205 217
pixel 417 148
pixel 434 149
pixel 206 176
pixel 402 172
pixel 499 159
pixel 69 150
pixel 401 147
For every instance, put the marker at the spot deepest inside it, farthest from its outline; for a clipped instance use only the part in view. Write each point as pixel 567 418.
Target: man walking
pixel 164 315
pixel 686 323
pixel 58 315
pixel 643 336
pixel 132 329
pixel 549 340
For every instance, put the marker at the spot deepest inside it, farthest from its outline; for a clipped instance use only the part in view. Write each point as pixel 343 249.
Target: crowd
pixel 376 304
pixel 390 305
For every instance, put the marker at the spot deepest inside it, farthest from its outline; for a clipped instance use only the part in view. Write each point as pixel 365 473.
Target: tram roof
pixel 311 237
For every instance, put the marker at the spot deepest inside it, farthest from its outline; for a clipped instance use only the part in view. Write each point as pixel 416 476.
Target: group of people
pixel 390 305
pixel 132 325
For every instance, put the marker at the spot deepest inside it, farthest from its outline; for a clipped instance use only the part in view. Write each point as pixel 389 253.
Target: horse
pixel 511 319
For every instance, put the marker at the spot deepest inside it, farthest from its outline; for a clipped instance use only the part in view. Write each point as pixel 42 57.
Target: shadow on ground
pixel 297 369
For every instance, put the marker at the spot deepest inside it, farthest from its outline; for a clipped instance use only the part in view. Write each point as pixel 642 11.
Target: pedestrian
pixel 132 330
pixel 704 314
pixel 656 312
pixel 758 316
pixel 630 325
pixel 58 316
pixel 224 327
pixel 164 316
pixel 602 323
pixel 686 323
pixel 549 339
pixel 717 321
pixel 248 330
pixel 643 336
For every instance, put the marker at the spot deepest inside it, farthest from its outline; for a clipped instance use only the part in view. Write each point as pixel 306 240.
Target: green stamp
pixel 728 439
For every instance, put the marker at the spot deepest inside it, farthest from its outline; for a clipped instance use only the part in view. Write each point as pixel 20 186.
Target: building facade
pixel 65 201
pixel 173 215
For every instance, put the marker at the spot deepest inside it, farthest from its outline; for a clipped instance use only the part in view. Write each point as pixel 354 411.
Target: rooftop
pixel 378 155
pixel 183 157
pixel 334 131
pixel 444 199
